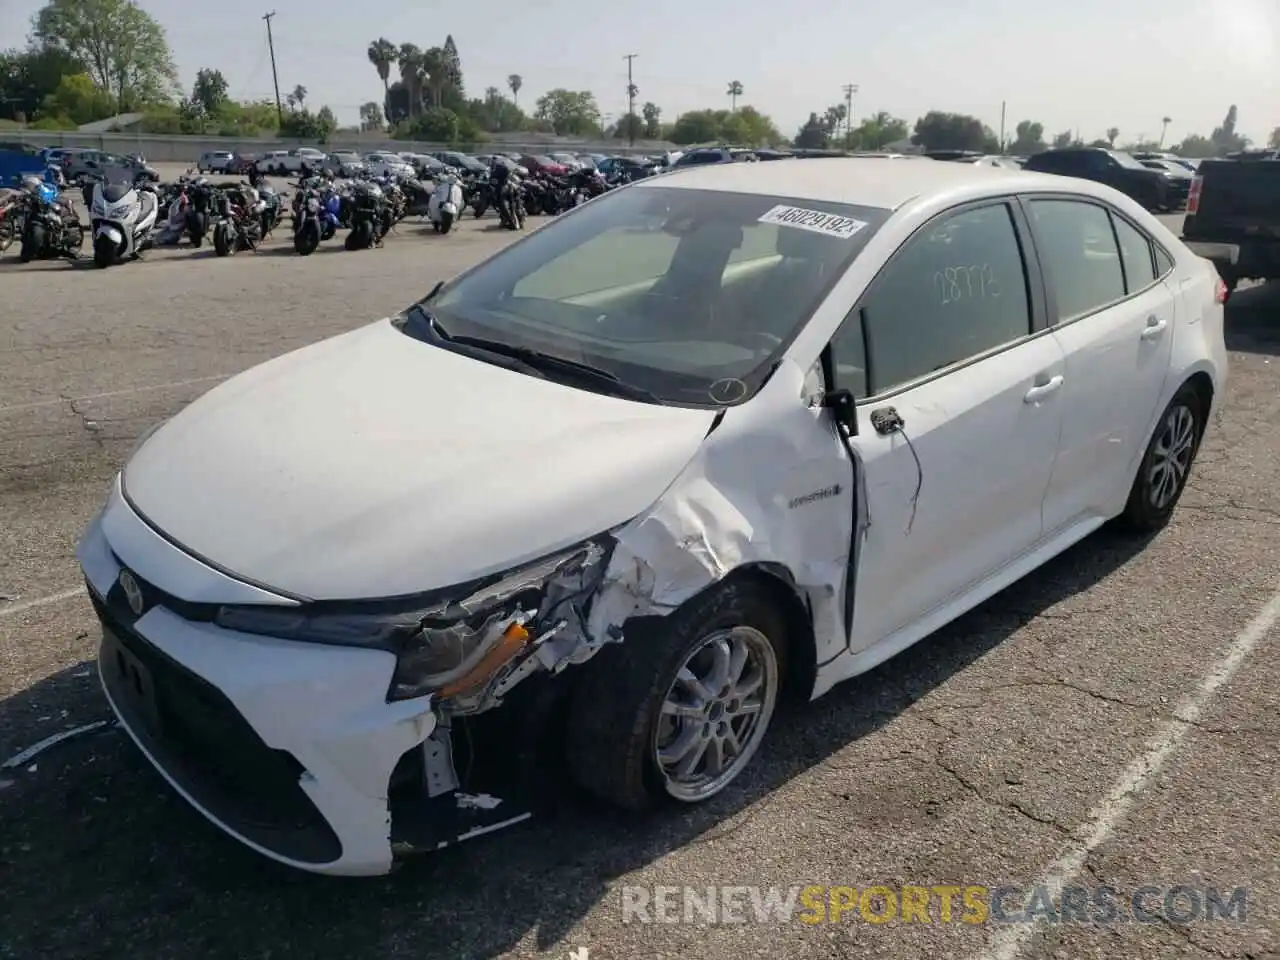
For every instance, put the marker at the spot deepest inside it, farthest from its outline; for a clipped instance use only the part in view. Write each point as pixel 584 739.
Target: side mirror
pixel 843 407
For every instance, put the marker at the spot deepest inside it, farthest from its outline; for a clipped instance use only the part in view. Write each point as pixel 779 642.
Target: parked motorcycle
pixel 370 217
pixel 272 208
pixel 445 205
pixel 238 223
pixel 513 208
pixel 315 217
pixel 123 219
pixel 13 215
pixel 50 224
pixel 201 197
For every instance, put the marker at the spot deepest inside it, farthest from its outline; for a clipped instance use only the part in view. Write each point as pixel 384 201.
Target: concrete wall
pixel 173 149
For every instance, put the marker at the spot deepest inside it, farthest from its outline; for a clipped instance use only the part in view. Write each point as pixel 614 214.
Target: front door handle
pixel 1042 390
pixel 1155 326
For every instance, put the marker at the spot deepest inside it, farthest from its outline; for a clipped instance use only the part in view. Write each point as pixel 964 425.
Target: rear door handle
pixel 1155 326
pixel 1042 390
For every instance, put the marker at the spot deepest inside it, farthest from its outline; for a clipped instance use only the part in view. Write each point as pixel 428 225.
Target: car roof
pixel 868 181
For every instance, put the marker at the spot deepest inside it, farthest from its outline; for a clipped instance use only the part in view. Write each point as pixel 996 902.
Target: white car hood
pixel 374 465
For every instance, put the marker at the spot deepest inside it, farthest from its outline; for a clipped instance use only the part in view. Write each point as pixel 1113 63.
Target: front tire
pixel 223 243
pixel 446 222
pixel 33 241
pixel 307 240
pixel 1166 465
pixel 677 711
pixel 104 252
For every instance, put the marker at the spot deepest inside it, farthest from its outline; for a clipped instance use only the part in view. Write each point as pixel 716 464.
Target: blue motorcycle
pixel 51 227
pixel 316 213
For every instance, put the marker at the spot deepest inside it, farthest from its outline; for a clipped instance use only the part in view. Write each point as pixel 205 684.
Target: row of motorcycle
pixel 128 219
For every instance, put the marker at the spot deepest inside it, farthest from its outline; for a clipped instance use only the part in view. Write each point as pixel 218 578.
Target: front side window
pixel 955 290
pixel 1077 246
pixel 692 295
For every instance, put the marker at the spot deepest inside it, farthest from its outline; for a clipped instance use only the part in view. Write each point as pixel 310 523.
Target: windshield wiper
pixel 546 362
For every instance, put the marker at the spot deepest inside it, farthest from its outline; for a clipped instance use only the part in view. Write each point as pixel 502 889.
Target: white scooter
pixel 123 217
pixel 445 204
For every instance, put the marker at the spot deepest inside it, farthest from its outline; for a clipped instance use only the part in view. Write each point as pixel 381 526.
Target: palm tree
pixel 299 96
pixel 435 73
pixel 382 54
pixel 1164 128
pixel 409 59
pixel 1112 133
pixel 734 91
pixel 515 82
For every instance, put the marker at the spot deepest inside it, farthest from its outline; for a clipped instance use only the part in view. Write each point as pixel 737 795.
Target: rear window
pixel 692 295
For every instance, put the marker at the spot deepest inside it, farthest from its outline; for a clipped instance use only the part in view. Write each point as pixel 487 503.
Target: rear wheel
pixel 307 239
pixel 678 711
pixel 223 243
pixel 1166 465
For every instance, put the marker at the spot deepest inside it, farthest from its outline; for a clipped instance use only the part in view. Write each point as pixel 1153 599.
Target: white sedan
pixel 742 432
pixel 387 165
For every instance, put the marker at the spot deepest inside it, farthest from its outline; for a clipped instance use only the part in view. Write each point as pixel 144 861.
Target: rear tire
pixel 622 730
pixel 223 243
pixel 307 240
pixel 1166 464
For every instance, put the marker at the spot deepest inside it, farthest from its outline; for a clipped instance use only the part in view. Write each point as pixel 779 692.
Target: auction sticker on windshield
pixel 830 224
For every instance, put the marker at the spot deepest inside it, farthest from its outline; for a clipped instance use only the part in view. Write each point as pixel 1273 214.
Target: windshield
pixel 690 295
pixel 1126 161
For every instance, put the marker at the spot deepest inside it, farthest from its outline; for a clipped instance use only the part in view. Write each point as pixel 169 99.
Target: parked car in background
pixel 1114 168
pixel 79 164
pixel 567 160
pixel 461 161
pixel 215 161
pixel 425 166
pixel 1183 162
pixel 708 155
pixel 540 163
pixel 284 162
pixel 387 165
pixel 344 163
pixel 492 160
pixel 1233 218
pixel 632 167
pixel 1178 179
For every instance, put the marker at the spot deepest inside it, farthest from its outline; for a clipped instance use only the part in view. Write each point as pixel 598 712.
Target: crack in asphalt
pixel 90 426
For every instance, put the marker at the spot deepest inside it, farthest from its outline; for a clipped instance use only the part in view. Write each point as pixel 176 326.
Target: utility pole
pixel 631 102
pixel 1002 106
pixel 849 90
pixel 275 77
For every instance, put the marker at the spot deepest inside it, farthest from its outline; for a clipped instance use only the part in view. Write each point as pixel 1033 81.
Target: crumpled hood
pixel 374 465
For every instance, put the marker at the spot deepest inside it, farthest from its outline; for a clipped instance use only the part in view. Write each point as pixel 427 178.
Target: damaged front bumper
pixel 290 747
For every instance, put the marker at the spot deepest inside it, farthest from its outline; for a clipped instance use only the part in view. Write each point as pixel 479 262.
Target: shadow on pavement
pixel 102 859
pixel 1253 319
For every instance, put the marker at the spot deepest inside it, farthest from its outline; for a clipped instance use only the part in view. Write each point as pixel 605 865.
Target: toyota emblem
pixel 132 592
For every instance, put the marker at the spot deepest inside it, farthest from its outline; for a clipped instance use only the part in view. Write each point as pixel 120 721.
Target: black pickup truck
pixel 1233 218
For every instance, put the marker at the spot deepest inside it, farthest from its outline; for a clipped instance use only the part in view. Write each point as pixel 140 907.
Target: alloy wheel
pixel 716 712
pixel 1171 456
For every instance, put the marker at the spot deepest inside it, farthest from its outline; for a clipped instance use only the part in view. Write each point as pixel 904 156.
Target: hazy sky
pixel 1089 64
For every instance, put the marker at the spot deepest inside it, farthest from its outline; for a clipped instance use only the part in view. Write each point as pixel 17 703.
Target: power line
pixel 275 77
pixel 631 102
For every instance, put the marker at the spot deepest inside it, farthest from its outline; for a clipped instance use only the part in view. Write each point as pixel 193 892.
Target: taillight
pixel 1193 195
pixel 1220 294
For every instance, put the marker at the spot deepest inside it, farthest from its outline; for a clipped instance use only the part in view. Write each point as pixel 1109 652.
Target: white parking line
pixel 56 401
pixel 1007 943
pixel 15 608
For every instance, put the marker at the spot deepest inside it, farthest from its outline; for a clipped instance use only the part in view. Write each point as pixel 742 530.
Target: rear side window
pixel 955 290
pixel 1164 262
pixel 1079 250
pixel 1135 254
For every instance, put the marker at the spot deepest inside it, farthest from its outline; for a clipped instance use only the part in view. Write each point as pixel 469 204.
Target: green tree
pixel 814 135
pixel 382 54
pixel 435 125
pixel 570 113
pixel 302 124
pixel 453 67
pixel 124 48
pixel 1063 140
pixel 1028 138
pixel 412 77
pixel 938 130
pixel 877 132
pixel 78 99
pixel 371 116
pixel 1224 138
pixel 495 112
pixel 652 114
pixel 28 77
pixel 1195 146
pixel 1112 134
pixel 629 127
pixel 437 74
pixel 210 91
pixel 1273 141
pixel 297 98
pixel 734 92
pixel 514 83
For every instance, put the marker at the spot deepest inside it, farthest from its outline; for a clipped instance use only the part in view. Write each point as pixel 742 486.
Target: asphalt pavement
pixel 1113 718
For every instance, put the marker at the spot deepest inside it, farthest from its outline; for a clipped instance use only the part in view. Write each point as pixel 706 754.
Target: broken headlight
pixel 450 644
